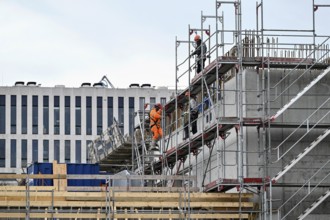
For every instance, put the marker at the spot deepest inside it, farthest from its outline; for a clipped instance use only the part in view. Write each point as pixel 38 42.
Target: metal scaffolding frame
pixel 220 118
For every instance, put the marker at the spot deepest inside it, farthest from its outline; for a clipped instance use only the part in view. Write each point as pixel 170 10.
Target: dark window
pixel 110 111
pixel 24 153
pixel 87 151
pixel 24 114
pixel 99 115
pixel 13 155
pixel 141 103
pixel 34 150
pixel 163 101
pixel 34 114
pixel 67 115
pixel 67 151
pixel 89 115
pixel 78 151
pixel 56 115
pixel 121 113
pixel 13 111
pixel 46 115
pixel 57 150
pixel 78 115
pixel 152 101
pixel 131 114
pixel 2 152
pixel 2 114
pixel 45 157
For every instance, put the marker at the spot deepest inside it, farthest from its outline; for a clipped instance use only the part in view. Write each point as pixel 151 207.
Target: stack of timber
pixel 50 202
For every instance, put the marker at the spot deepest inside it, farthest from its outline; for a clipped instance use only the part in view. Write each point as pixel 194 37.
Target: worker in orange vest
pixel 155 125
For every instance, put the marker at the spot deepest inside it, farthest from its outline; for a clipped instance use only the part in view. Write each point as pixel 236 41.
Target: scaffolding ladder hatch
pixel 314 205
pixel 301 155
pixel 301 93
pixel 223 185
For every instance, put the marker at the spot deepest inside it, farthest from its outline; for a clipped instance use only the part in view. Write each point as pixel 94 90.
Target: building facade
pixel 42 124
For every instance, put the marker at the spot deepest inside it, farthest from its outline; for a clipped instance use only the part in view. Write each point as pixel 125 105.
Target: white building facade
pixel 42 124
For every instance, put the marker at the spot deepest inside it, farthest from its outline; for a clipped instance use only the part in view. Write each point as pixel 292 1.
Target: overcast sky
pixel 68 42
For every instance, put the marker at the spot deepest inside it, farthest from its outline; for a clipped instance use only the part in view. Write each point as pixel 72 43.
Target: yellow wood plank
pixel 137 215
pixel 60 184
pixel 125 204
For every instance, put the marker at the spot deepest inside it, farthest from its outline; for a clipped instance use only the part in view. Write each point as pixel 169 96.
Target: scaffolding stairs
pixel 142 140
pixel 301 155
pixel 301 93
pixel 314 205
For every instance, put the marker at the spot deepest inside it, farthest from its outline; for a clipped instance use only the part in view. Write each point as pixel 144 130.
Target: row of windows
pixel 45 152
pixel 67 114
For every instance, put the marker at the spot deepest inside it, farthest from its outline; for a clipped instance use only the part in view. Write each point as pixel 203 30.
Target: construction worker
pixel 155 125
pixel 192 111
pixel 200 51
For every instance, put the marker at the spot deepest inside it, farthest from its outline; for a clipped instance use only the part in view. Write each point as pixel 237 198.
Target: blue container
pixel 84 169
pixel 40 168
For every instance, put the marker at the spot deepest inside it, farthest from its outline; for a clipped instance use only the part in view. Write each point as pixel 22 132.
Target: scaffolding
pixel 228 115
pixel 248 138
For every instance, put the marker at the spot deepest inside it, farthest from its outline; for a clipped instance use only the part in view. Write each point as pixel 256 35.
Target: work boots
pixel 153 146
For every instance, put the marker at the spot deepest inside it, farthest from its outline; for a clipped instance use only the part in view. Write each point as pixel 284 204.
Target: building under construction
pixel 260 150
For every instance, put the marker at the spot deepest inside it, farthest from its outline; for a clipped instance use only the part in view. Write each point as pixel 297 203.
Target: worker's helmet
pixel 197 37
pixel 159 106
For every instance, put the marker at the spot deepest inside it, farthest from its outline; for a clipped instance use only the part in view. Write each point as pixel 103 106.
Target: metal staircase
pixel 302 190
pixel 314 205
pixel 300 94
pixel 301 155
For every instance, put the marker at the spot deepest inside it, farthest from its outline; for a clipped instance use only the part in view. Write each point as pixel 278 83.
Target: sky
pixel 68 42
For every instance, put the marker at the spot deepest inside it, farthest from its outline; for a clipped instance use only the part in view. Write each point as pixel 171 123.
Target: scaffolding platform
pixel 196 141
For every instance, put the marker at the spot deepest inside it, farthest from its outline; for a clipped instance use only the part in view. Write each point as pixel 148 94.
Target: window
pixel 57 150
pixel 110 111
pixel 2 114
pixel 34 150
pixel 24 153
pixel 13 155
pixel 78 115
pixel 78 151
pixel 88 142
pixel 34 114
pixel 56 115
pixel 45 114
pixel 45 157
pixel 67 151
pixel 2 152
pixel 131 114
pixel 163 101
pixel 89 115
pixel 99 116
pixel 24 114
pixel 152 101
pixel 13 111
pixel 67 115
pixel 141 103
pixel 121 113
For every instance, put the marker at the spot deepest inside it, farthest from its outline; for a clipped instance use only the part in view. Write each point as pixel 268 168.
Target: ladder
pixel 314 205
pixel 141 142
pixel 301 155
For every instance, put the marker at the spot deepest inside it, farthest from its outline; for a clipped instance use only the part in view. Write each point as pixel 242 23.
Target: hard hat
pixel 197 37
pixel 158 105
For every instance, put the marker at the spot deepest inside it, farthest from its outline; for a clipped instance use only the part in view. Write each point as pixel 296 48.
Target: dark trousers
pixel 200 65
pixel 193 120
